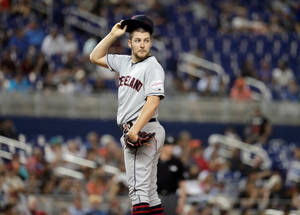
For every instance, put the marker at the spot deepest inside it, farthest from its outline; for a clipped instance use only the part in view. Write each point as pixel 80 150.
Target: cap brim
pixel 134 24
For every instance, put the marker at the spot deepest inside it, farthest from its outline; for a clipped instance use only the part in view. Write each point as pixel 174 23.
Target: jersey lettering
pixel 130 82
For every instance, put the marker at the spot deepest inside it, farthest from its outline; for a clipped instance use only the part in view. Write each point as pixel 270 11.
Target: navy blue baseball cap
pixel 138 21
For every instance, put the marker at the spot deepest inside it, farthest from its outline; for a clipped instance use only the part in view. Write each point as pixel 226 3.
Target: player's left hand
pixel 142 138
pixel 117 30
pixel 131 136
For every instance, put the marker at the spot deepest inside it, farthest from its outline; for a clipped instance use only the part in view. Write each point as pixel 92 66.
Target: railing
pixel 172 108
pixel 53 204
pixel 244 147
pixel 26 150
pixel 86 21
pixel 264 91
pixel 187 58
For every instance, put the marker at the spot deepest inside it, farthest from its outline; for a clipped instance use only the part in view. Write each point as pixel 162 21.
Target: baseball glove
pixel 143 139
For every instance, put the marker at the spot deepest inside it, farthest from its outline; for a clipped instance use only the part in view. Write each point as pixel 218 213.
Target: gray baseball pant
pixel 141 167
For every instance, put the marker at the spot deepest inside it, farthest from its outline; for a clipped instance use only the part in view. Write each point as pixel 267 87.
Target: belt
pixel 127 125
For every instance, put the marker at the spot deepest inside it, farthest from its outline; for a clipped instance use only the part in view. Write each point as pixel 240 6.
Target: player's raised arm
pixel 99 52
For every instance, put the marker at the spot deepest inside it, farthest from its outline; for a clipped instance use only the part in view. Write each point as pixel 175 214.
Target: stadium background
pixel 53 99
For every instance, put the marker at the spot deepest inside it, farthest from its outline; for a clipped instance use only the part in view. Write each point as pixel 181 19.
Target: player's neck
pixel 135 59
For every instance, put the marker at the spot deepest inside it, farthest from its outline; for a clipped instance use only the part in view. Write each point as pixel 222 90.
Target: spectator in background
pixel 28 63
pixel 35 33
pixel 53 151
pixel 87 48
pixel 18 167
pixel 297 28
pixel 15 188
pixel 273 189
pixel 49 84
pixel 293 171
pixel 265 71
pixel 70 44
pixel 246 212
pixel 275 26
pixel 66 87
pixel 36 163
pixel 75 148
pixel 42 66
pixel 112 152
pixel 53 43
pixel 63 186
pixel 19 41
pixel 19 84
pixel 99 85
pixel 241 22
pixel 97 184
pixel 5 5
pixel 95 206
pixel 231 132
pixel 249 196
pixel 295 203
pixel 7 64
pixel 183 148
pixel 235 161
pixel 282 75
pixel 33 206
pixel 82 85
pixel 115 207
pixel 4 194
pixel 76 208
pixel 170 178
pixel 248 69
pixel 48 186
pixel 8 129
pixel 203 188
pixel 258 128
pixel 92 141
pixel 209 85
pixel 200 9
pixel 291 92
pixel 9 209
pixel 64 211
pixel 211 150
pixel 240 91
pixel 198 158
pixel 33 184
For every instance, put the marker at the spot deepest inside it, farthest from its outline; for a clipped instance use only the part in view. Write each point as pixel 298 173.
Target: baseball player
pixel 141 87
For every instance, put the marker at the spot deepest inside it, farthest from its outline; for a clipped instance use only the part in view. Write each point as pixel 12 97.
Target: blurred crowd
pixel 218 178
pixel 43 53
pixel 37 171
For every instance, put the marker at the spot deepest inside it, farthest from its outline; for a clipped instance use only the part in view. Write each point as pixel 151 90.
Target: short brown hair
pixel 138 30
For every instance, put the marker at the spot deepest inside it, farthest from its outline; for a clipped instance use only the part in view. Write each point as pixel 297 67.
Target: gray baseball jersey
pixel 136 82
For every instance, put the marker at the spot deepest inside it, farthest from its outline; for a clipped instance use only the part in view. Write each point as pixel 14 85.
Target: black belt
pixel 127 125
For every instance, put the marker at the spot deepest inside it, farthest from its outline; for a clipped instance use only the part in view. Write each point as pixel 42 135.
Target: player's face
pixel 140 45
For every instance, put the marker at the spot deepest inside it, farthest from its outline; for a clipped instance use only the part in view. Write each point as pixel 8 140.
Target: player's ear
pixel 129 43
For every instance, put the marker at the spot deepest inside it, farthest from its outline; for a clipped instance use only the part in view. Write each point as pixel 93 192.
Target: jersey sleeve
pixel 114 62
pixel 154 81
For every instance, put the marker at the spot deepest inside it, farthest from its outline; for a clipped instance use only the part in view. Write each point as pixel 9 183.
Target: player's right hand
pixel 117 31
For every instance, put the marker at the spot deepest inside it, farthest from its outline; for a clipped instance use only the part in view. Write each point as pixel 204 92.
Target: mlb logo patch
pixel 157 85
